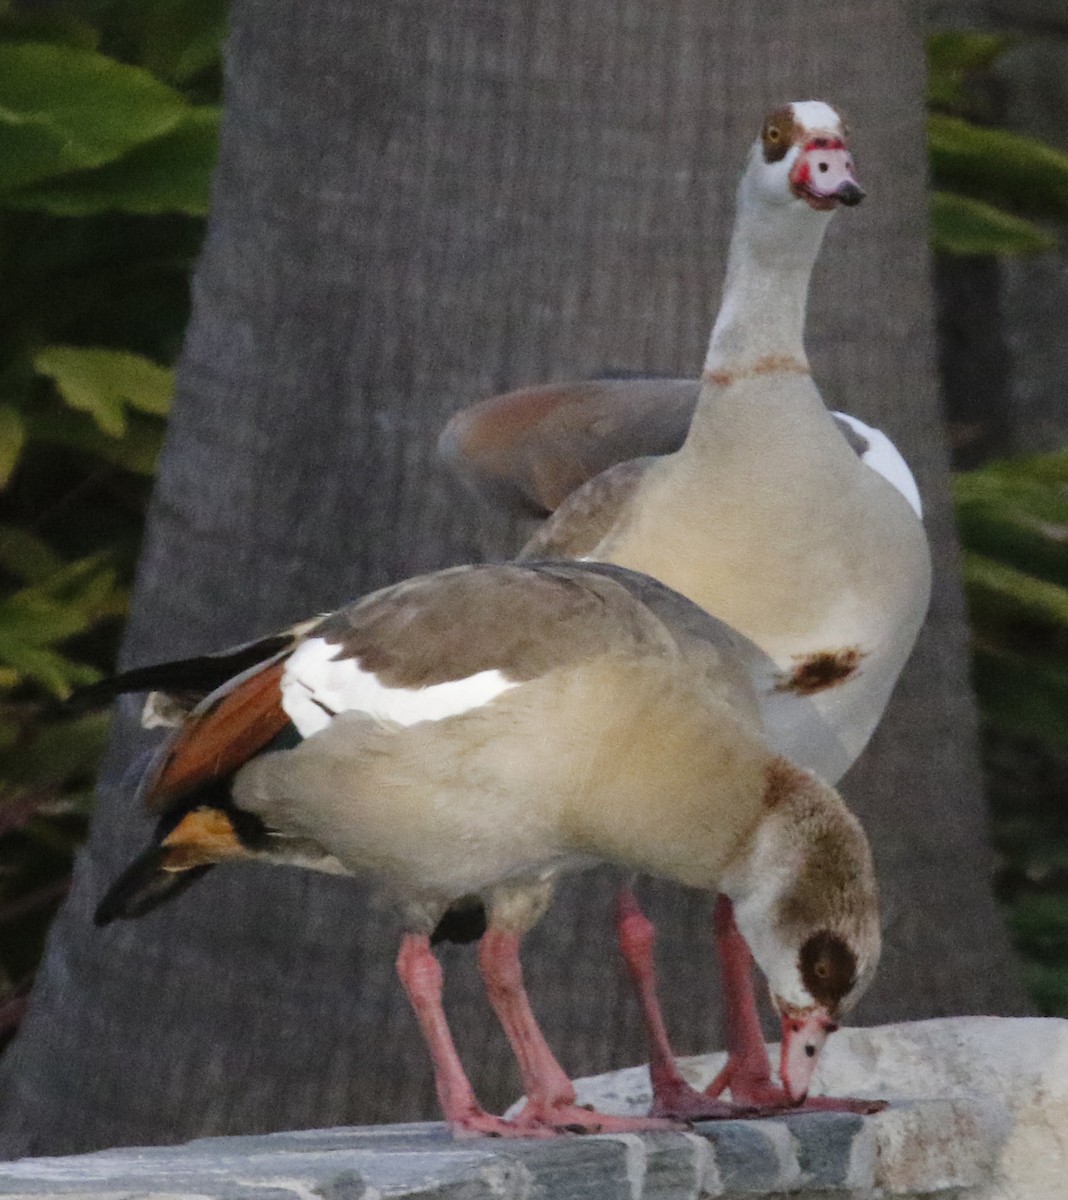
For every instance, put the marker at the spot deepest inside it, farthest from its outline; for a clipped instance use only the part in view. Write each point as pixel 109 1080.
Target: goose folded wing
pixel 425 649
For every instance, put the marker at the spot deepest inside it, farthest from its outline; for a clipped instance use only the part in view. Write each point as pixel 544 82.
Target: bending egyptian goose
pixel 799 528
pixel 464 737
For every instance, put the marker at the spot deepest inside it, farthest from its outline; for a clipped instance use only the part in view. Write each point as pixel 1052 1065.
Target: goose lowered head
pixel 806 903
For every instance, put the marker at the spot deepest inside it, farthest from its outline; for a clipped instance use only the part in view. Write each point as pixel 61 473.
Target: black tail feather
pixel 143 886
pixel 196 677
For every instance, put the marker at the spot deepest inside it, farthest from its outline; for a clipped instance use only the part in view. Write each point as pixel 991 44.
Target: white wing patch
pixel 885 458
pixel 316 687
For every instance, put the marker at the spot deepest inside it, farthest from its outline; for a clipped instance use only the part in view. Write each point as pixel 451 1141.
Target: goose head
pixel 802 158
pixel 806 904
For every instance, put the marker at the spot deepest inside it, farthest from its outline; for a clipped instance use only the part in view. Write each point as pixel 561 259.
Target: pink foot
pixel 574 1118
pixel 759 1093
pixel 478 1124
pixel 681 1102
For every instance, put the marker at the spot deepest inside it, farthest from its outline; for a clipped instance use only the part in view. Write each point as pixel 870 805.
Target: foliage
pixel 998 193
pixel 1013 519
pixel 108 133
pixel 990 185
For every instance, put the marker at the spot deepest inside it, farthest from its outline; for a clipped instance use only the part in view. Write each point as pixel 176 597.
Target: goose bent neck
pixel 762 316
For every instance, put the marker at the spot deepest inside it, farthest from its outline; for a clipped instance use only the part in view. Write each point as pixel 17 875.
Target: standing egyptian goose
pixel 799 528
pixel 467 736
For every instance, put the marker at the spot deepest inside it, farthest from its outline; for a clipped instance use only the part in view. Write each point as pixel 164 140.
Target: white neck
pixel 773 249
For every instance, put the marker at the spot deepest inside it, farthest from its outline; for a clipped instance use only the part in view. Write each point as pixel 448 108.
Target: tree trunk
pixel 418 204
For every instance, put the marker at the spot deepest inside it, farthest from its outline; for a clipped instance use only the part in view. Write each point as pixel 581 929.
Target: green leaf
pixel 952 54
pixel 12 437
pixel 136 452
pixel 1040 920
pixel 25 556
pixel 1045 601
pixel 960 225
pixel 103 382
pixel 1045 468
pixel 64 108
pixel 45 666
pixel 59 752
pixel 36 619
pixel 1017 512
pixel 1048 985
pixel 58 28
pixel 184 37
pixel 1001 168
pixel 1021 697
pixel 171 173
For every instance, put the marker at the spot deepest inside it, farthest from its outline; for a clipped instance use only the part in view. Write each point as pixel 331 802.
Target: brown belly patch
pixel 822 670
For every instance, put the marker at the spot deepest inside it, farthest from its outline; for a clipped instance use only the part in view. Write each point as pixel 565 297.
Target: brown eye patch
pixel 777 134
pixel 828 968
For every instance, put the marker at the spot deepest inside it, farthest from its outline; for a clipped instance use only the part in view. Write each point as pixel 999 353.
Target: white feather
pixel 814 114
pixel 885 459
pixel 316 686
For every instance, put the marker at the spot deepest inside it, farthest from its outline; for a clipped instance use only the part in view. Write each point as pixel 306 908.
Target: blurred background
pixel 108 134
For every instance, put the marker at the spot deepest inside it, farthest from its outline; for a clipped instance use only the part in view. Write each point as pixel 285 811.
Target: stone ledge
pixel 949 1080
pixel 979 1112
pixel 825 1154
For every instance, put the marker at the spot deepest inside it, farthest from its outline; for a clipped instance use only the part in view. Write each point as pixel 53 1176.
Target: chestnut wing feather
pixel 218 737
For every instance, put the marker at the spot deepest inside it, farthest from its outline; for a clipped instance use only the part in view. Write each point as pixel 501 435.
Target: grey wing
pixel 521 619
pixel 738 669
pixel 526 451
pixel 577 527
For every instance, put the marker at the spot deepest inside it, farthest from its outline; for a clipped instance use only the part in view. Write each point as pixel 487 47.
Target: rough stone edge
pixel 808 1154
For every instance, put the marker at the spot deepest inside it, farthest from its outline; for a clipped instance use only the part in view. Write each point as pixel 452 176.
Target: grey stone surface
pixel 979 1105
pixel 803 1156
pixel 746 1157
pixel 824 1142
pixel 978 1111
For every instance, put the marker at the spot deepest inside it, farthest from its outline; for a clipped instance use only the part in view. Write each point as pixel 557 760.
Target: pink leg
pixel 672 1095
pixel 748 1069
pixel 550 1096
pixel 420 973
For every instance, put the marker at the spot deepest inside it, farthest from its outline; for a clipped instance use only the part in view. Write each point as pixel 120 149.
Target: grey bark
pixel 420 203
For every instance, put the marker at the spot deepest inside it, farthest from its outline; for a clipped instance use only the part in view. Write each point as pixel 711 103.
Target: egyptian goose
pixel 798 528
pixel 464 737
